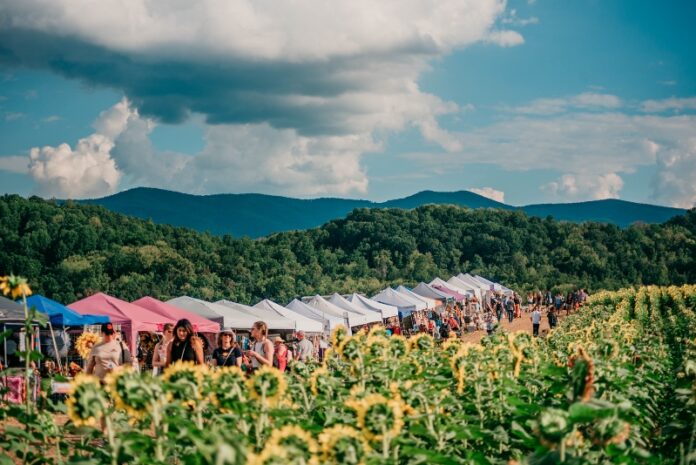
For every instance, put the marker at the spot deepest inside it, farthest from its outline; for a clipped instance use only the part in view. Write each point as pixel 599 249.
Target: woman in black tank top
pixel 186 346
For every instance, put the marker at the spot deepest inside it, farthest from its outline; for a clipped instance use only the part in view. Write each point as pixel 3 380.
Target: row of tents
pixel 317 314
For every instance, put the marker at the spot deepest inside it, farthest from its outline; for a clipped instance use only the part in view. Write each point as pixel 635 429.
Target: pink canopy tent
pixel 457 296
pixel 132 318
pixel 200 324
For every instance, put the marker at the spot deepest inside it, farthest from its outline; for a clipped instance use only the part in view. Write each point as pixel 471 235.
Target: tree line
pixel 69 251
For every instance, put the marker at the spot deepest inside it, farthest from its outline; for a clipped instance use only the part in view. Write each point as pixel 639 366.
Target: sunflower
pixel 226 388
pixel 350 348
pixel 451 346
pixel 398 345
pixel 183 382
pixel 88 402
pixel 338 334
pixel 376 346
pixel 132 392
pixel 379 416
pixel 377 330
pixel 85 342
pixel 15 286
pixel 267 385
pixel 422 341
pixel 297 443
pixel 318 380
pixel 342 444
pixel 270 455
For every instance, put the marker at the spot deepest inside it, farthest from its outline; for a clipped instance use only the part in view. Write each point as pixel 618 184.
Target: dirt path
pixel 524 323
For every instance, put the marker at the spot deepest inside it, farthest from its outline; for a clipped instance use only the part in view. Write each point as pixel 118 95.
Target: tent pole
pixel 55 345
pixel 4 342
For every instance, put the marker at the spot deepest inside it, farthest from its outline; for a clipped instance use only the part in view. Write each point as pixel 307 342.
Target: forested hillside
pixel 68 251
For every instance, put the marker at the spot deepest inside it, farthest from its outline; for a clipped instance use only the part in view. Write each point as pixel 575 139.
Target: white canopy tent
pixel 302 323
pixel 467 278
pixel 463 285
pixel 496 286
pixel 274 320
pixel 442 283
pixel 230 318
pixel 430 303
pixel 321 304
pixel 387 311
pixel 426 290
pixel 330 321
pixel 370 315
pixel 405 305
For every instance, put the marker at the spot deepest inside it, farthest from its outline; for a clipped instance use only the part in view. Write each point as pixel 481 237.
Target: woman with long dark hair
pixel 186 346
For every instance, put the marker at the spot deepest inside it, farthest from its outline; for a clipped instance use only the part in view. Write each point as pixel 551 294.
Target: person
pixel 518 308
pixel 489 323
pixel 510 308
pixel 305 349
pixel 280 354
pixel 262 353
pixel 553 319
pixel 227 353
pixel 536 321
pixel 444 330
pixel 159 356
pixel 108 354
pixel 186 345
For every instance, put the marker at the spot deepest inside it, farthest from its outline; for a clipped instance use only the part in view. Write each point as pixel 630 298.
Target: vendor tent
pixel 449 285
pixel 405 305
pixel 455 295
pixel 329 320
pixel 458 294
pixel 12 312
pixel 60 315
pixel 426 290
pixel 302 323
pixel 227 317
pixel 387 311
pixel 496 286
pixel 200 324
pixel 272 319
pixel 323 305
pixel 466 286
pixel 132 318
pixel 467 278
pixel 371 316
pixel 430 303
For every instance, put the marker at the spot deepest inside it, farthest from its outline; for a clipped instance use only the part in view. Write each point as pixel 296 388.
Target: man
pixel 510 308
pixel 536 321
pixel 108 354
pixel 305 349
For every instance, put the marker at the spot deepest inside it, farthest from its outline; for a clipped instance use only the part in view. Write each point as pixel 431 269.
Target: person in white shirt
pixel 536 321
pixel 305 349
pixel 159 356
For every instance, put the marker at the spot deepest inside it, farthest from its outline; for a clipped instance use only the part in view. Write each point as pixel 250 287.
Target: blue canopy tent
pixel 60 315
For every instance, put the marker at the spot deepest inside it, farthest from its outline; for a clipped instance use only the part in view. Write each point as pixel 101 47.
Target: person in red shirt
pixel 280 355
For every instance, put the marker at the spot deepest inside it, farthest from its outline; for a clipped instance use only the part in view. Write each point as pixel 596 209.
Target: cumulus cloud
pixel 584 101
pixel 674 182
pixel 489 192
pixel 14 164
pixel 318 68
pixel 584 186
pixel 673 104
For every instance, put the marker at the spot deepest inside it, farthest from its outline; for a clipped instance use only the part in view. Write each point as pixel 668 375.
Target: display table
pixel 16 388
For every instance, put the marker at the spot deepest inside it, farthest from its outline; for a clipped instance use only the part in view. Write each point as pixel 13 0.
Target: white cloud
pixel 14 164
pixel 13 116
pixel 586 186
pixel 584 101
pixel 86 171
pixel 515 20
pixel 674 183
pixel 489 192
pixel 505 38
pixel 51 119
pixel 669 82
pixel 675 104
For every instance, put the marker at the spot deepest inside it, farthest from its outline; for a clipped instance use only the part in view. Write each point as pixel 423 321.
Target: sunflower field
pixel 614 383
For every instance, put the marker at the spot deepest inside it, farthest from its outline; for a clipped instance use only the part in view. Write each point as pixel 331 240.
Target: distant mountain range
pixel 257 215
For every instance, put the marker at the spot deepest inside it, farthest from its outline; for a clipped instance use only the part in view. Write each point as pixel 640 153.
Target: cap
pixel 227 331
pixel 107 328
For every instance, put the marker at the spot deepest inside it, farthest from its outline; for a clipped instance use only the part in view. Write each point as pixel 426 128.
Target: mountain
pixel 257 215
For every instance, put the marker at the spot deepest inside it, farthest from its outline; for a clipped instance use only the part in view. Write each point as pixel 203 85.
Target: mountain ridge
pixel 257 215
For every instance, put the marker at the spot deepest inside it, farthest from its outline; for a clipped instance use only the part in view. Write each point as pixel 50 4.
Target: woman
pixel 228 353
pixel 159 356
pixel 262 353
pixel 186 346
pixel 280 354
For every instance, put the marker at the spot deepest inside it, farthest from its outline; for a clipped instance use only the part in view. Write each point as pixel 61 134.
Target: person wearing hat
pixel 228 353
pixel 280 354
pixel 108 354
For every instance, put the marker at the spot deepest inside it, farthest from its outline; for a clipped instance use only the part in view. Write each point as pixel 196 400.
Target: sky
pixel 524 101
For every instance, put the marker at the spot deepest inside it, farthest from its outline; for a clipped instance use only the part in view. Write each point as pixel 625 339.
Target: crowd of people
pixel 180 342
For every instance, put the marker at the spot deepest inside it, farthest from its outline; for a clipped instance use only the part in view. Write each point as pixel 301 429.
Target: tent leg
pixel 55 346
pixel 4 343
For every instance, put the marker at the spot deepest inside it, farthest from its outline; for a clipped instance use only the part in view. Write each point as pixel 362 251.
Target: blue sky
pixel 524 101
